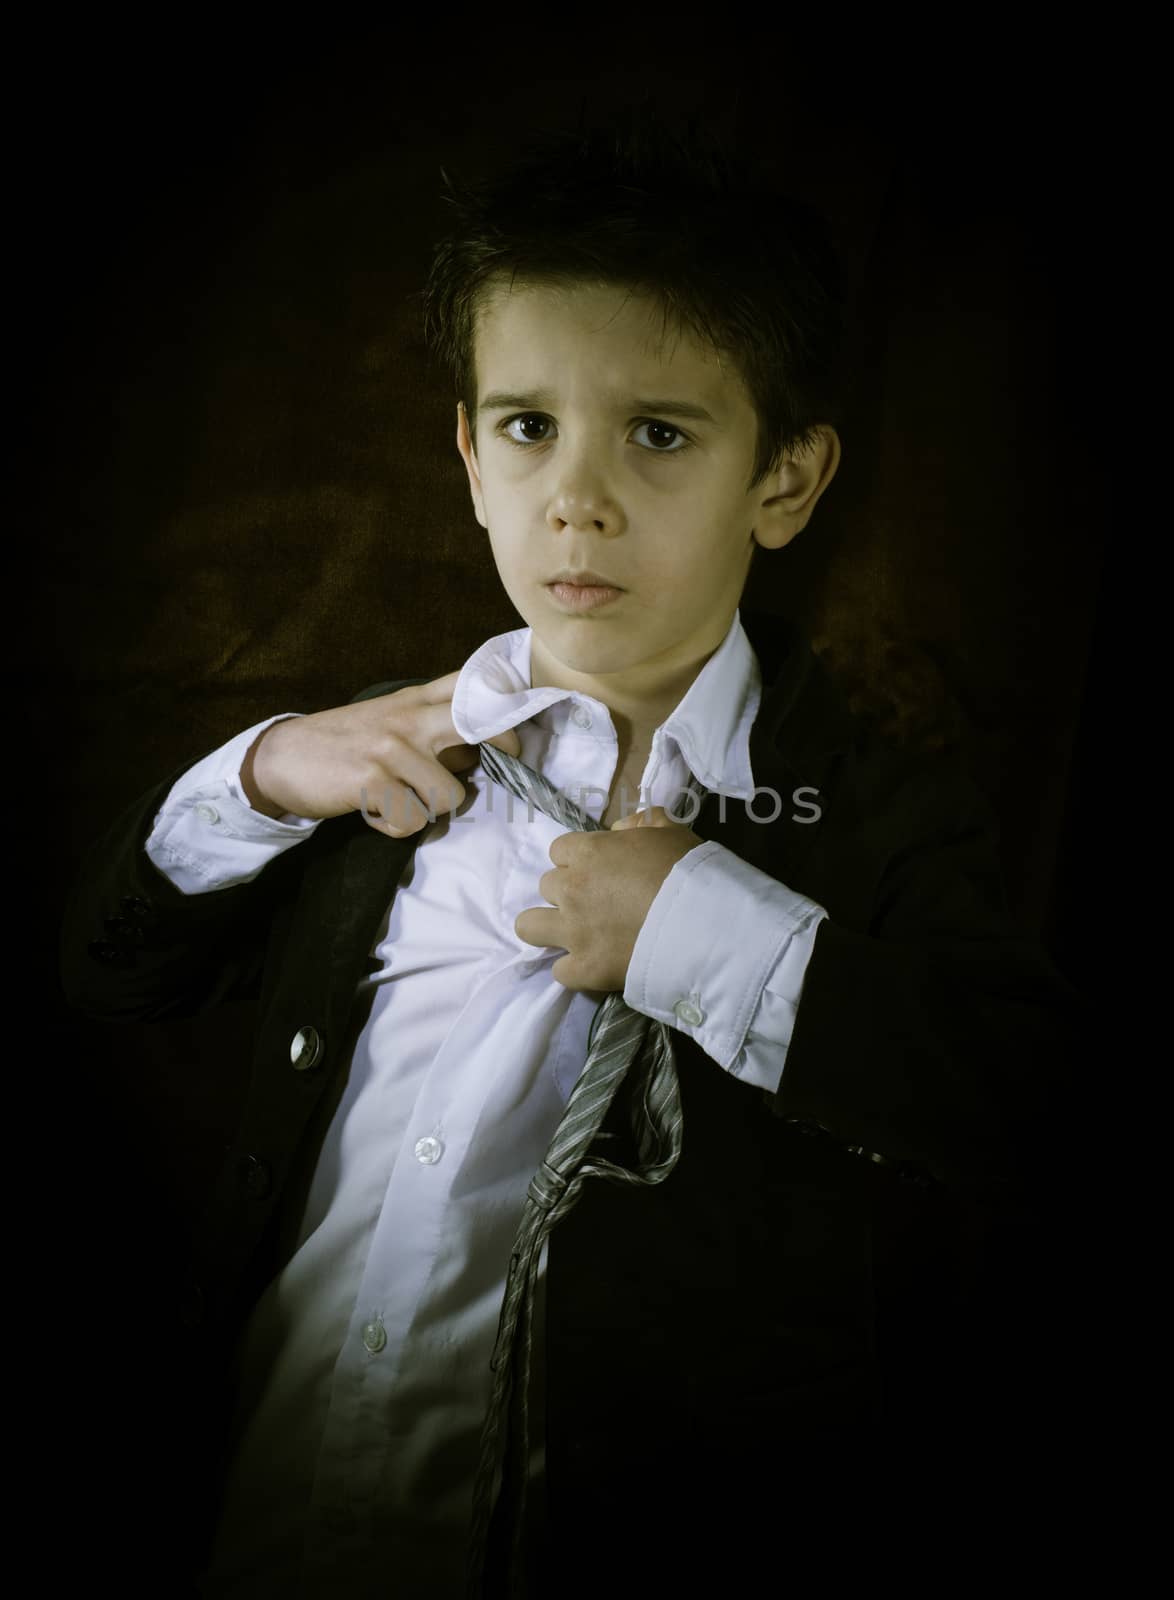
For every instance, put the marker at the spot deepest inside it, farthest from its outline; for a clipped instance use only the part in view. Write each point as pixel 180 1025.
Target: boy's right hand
pixel 401 749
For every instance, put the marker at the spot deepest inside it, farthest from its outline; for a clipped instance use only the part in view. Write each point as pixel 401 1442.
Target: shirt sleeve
pixel 721 956
pixel 207 836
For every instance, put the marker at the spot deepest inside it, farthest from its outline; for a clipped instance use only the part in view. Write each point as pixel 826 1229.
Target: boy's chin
pixel 602 654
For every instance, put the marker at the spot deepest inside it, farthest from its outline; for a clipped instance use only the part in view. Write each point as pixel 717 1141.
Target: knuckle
pixel 387 746
pixel 453 793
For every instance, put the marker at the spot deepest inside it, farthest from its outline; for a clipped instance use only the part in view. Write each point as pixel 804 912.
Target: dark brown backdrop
pixel 253 503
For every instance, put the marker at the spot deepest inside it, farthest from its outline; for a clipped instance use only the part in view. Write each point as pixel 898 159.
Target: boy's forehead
pixel 522 333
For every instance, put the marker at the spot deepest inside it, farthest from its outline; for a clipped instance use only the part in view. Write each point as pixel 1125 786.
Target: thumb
pixel 650 817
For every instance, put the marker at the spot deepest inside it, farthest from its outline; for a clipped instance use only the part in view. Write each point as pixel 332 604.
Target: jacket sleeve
pixel 135 948
pixel 934 1035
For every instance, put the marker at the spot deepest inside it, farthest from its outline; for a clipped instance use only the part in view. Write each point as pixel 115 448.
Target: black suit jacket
pixel 732 1345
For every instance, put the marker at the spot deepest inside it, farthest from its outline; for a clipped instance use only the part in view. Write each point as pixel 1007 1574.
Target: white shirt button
pixel 429 1150
pixel 375 1336
pixel 689 1013
pixel 207 813
pixel 581 717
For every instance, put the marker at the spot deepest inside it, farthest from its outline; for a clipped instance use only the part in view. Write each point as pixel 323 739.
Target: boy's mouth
pixel 582 596
pixel 585 579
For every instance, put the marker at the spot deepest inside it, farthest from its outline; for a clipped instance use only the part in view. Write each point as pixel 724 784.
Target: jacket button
pixel 254 1177
pixel 305 1049
pixel 134 905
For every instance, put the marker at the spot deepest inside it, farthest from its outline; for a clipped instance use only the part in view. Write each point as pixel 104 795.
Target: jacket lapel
pixel 800 729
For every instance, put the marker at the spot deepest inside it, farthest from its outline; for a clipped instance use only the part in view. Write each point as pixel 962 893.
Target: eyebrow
pixel 541 399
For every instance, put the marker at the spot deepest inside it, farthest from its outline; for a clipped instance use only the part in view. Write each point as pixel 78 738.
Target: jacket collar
pixel 803 715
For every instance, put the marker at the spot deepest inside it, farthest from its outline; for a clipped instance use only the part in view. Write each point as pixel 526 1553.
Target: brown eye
pixel 525 420
pixel 678 443
pixel 663 428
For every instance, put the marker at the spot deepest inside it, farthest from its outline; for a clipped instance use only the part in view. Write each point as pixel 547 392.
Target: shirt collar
pixel 710 726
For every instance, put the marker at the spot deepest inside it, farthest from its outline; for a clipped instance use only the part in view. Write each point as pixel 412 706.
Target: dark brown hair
pixel 700 228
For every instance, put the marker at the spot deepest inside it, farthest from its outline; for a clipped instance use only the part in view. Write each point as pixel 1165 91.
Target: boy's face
pixel 578 470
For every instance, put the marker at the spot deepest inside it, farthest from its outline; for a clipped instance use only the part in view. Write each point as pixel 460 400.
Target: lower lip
pixel 582 597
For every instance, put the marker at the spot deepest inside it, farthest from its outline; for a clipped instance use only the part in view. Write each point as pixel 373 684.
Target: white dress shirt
pixel 364 1367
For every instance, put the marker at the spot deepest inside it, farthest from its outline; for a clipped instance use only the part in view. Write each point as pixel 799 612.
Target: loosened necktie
pixel 621 1041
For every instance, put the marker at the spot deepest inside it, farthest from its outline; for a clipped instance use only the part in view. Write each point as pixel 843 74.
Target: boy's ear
pixel 793 491
pixel 468 456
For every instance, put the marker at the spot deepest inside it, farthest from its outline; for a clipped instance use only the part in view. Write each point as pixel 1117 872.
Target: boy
pixel 863 1048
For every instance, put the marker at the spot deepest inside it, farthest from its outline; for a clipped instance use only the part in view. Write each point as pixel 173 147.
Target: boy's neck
pixel 639 702
pixel 636 717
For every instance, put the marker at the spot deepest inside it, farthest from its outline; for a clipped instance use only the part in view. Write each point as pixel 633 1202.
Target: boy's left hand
pixel 601 887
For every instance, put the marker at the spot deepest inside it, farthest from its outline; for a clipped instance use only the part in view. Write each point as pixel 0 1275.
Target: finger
pixel 398 813
pixel 429 715
pixel 408 784
pixel 657 817
pixel 637 819
pixel 539 925
pixel 437 732
pixel 507 741
pixel 435 729
pixel 563 846
pixel 457 757
pixel 438 691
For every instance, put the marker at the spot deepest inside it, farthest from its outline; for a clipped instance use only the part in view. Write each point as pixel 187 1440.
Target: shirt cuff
pixel 721 957
pixel 207 836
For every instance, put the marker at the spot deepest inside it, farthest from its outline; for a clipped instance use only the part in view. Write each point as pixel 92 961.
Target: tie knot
pixel 547 1186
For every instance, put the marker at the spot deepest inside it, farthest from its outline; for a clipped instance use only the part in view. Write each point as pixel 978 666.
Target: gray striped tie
pixel 620 1039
